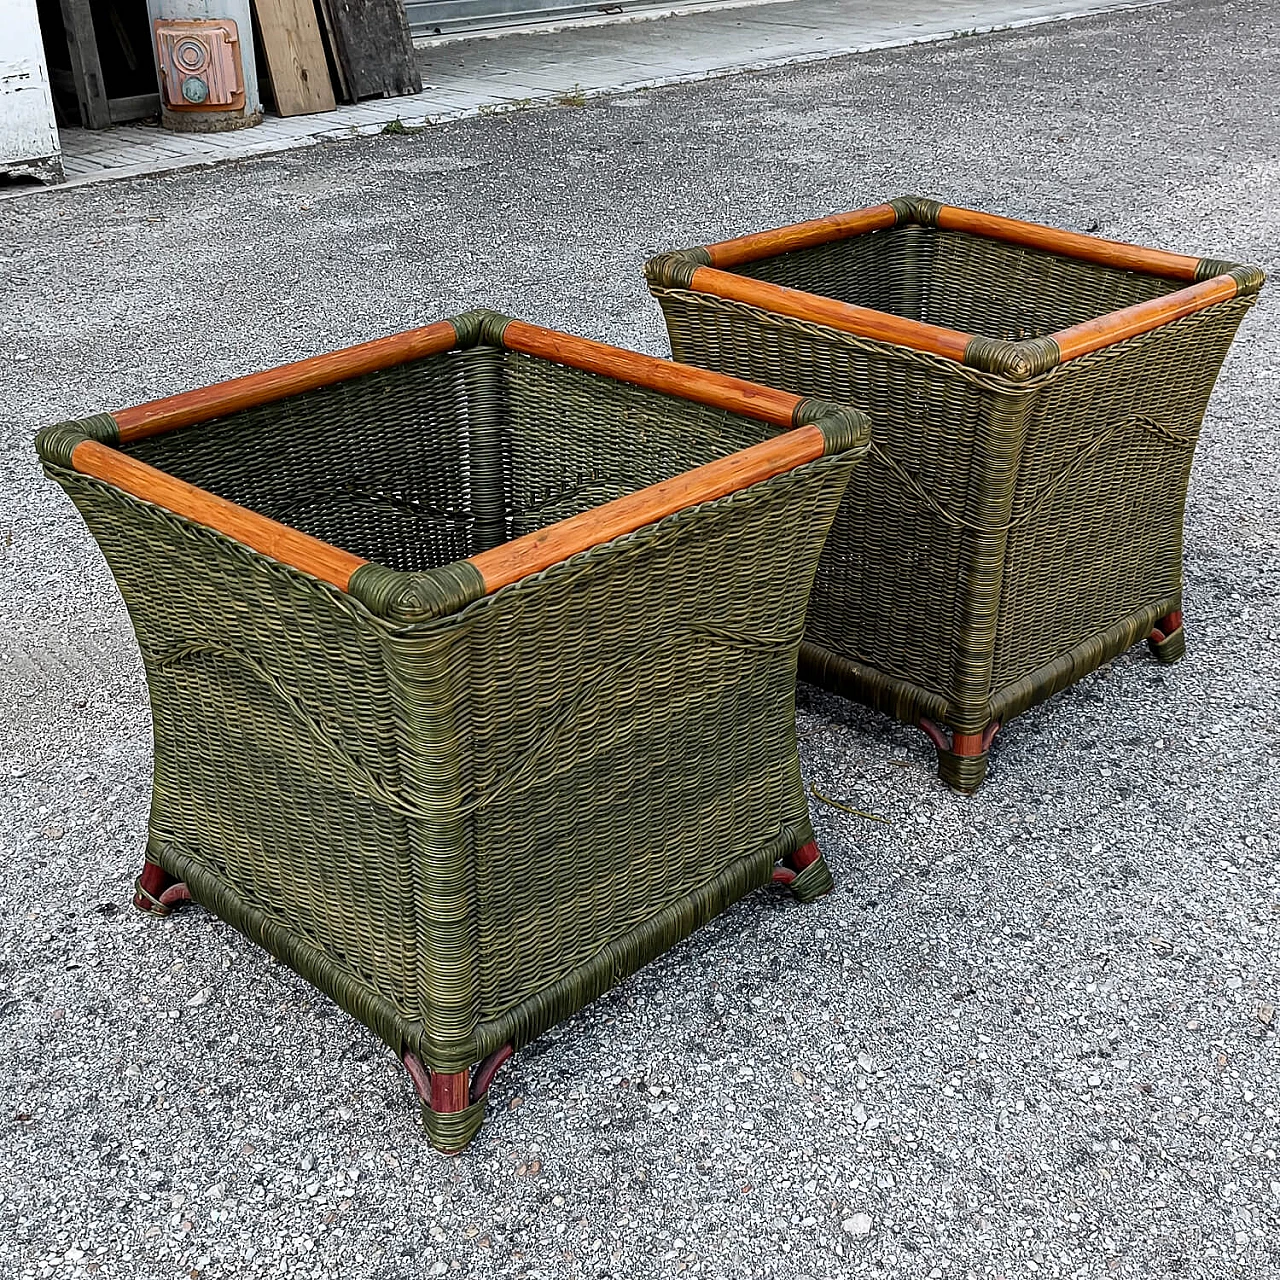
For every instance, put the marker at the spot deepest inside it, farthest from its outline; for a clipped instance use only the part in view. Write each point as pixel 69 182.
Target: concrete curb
pixel 403 112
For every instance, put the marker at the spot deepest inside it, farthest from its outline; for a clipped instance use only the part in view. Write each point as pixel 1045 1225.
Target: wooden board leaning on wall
pixel 296 62
pixel 371 43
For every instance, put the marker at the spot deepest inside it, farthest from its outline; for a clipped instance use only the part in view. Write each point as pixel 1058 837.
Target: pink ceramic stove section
pixel 199 64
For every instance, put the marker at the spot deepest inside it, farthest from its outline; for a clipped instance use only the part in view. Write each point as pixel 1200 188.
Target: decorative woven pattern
pixel 1008 533
pixel 466 815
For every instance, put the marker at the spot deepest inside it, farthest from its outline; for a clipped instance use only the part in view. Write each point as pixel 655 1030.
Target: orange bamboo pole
pixel 838 315
pixel 278 541
pixel 534 552
pixel 1142 317
pixel 275 384
pixel 803 235
pixel 1072 244
pixel 714 389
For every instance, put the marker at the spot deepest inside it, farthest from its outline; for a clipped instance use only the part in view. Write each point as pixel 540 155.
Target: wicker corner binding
pixel 1035 395
pixel 471 654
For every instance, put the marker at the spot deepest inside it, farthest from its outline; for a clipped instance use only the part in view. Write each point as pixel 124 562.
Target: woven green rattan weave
pixel 1019 521
pixel 465 816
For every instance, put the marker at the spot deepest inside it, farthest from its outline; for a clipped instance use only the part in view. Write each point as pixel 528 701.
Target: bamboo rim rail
pixel 1078 340
pixel 845 316
pixel 502 565
pixel 537 551
pixel 1034 235
pixel 1071 244
pixel 203 403
pixel 1142 317
pixel 280 542
pixel 189 407
pixel 803 235
pixel 717 390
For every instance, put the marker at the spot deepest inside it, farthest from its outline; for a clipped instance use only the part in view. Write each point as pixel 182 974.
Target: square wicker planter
pixel 1035 398
pixel 471 655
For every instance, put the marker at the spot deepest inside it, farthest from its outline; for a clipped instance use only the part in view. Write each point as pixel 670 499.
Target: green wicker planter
pixel 1035 397
pixel 471 656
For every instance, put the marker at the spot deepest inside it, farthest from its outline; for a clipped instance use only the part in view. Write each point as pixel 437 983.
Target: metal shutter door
pixel 443 17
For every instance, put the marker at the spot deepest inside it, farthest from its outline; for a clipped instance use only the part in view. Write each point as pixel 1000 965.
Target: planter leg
pixel 962 759
pixel 1168 640
pixel 805 873
pixel 452 1102
pixel 156 892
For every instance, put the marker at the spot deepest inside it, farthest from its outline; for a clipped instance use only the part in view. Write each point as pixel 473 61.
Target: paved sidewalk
pixel 480 75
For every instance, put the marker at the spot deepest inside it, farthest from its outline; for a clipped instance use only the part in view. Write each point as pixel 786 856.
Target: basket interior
pixel 960 281
pixel 435 460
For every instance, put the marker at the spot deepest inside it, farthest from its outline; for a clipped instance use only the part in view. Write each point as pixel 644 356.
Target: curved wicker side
pixel 472 674
pixel 1036 398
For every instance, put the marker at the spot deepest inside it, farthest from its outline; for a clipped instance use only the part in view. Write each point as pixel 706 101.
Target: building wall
pixel 28 131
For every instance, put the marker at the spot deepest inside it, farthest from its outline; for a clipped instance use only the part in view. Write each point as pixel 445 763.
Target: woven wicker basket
pixel 472 660
pixel 1035 397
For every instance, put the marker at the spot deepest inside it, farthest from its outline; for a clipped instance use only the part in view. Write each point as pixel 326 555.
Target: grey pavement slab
pixel 1028 1035
pixel 600 55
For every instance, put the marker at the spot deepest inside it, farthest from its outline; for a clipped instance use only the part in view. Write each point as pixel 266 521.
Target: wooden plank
pixel 295 56
pixel 803 235
pixel 374 47
pixel 141 106
pixel 86 68
pixel 287 380
pixel 534 552
pixel 1142 317
pixel 1071 244
pixel 715 389
pixel 341 73
pixel 863 321
pixel 289 546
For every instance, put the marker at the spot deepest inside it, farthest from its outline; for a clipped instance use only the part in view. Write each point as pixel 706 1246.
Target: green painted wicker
pixel 464 816
pixel 1019 521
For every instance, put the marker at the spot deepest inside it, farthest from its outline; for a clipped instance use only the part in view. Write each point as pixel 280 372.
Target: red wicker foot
pixel 156 892
pixel 963 757
pixel 453 1102
pixel 1168 640
pixel 805 873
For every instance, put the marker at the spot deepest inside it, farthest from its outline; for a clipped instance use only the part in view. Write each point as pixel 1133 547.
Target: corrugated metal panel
pixel 443 17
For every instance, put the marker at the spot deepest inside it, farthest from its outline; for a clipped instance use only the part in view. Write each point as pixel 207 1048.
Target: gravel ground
pixel 1027 1036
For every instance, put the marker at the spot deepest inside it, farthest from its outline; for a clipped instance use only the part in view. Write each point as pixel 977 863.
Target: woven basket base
pixel 449 1132
pixel 963 773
